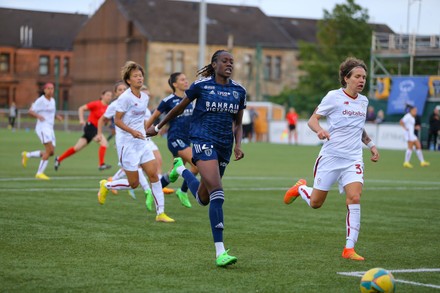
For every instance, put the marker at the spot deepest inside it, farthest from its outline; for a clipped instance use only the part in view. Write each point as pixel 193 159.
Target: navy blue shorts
pixel 177 145
pixel 207 152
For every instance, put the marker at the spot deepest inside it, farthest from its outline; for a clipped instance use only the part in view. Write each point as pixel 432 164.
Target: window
pixel 56 66
pixel 4 62
pixel 66 66
pixel 65 99
pixel 169 62
pixel 174 61
pixel 26 36
pixel 4 97
pixel 272 68
pixel 268 68
pixel 179 62
pixel 44 65
pixel 277 68
pixel 248 65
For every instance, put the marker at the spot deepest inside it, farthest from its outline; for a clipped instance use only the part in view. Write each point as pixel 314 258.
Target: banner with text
pixel 407 91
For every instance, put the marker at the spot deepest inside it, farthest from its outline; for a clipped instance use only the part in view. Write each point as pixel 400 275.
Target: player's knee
pixel 315 204
pixel 354 199
pixel 134 184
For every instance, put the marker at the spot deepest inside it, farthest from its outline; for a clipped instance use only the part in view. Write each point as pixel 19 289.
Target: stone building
pixel 162 36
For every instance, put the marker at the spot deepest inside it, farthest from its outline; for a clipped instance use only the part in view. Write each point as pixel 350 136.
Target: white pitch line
pixel 248 178
pixel 422 270
pixel 256 189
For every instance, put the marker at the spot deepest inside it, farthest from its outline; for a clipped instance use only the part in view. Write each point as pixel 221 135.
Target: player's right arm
pixel 173 113
pixel 402 123
pixel 152 118
pixel 101 122
pixel 36 115
pixel 81 114
pixel 314 125
pixel 33 111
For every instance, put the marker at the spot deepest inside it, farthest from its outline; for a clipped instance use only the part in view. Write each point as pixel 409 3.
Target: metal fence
pixel 26 121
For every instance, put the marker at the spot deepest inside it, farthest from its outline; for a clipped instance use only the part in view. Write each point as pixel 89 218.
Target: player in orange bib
pixel 97 109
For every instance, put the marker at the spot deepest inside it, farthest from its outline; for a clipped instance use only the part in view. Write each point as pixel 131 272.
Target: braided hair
pixel 208 70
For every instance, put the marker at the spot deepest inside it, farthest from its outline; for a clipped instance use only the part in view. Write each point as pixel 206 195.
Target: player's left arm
pixel 369 143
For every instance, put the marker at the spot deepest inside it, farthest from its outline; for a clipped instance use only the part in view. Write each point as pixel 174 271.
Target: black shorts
pixel 247 130
pixel 292 127
pixel 90 131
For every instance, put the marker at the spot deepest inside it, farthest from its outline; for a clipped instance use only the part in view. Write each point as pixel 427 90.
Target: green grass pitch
pixel 55 237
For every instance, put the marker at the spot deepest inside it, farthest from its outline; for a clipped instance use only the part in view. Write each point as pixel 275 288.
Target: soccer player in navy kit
pixel 215 123
pixel 179 143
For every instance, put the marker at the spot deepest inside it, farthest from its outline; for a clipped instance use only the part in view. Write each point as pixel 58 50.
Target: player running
pixel 216 122
pixel 340 159
pixel 178 140
pixel 44 110
pixel 408 123
pixel 133 150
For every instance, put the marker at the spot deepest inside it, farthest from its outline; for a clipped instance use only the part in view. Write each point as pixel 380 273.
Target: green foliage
pixel 55 237
pixel 343 33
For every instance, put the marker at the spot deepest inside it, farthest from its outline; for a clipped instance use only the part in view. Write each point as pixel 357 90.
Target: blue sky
pixel 394 13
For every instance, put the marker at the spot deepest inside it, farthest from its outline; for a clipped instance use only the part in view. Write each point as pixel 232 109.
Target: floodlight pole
pixel 410 2
pixel 202 33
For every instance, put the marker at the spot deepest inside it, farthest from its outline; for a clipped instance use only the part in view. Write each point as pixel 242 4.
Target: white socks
pixel 34 154
pixel 353 224
pixel 219 248
pixel 420 155
pixel 158 196
pixel 305 193
pixel 408 155
pixel 180 170
pixel 120 184
pixel 119 174
pixel 42 167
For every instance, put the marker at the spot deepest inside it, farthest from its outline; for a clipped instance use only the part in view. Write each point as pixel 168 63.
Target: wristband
pixel 370 144
pixel 156 128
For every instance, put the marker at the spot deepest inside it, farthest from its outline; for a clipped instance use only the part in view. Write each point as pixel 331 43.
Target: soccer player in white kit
pixel 408 122
pixel 131 141
pixel 340 158
pixel 105 118
pixel 44 110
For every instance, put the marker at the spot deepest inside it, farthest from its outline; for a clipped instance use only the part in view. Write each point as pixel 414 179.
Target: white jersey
pixel 110 112
pixel 409 122
pixel 346 120
pixel 45 108
pixel 135 111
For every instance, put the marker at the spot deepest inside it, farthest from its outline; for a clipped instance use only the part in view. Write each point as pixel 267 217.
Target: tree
pixel 342 33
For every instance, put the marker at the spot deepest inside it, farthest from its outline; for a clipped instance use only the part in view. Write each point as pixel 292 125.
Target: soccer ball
pixel 377 280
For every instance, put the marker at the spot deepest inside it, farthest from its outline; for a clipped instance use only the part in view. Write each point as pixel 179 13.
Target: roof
pixel 305 29
pixel 50 30
pixel 300 29
pixel 178 22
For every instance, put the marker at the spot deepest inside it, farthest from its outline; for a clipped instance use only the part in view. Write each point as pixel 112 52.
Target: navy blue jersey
pixel 179 126
pixel 214 113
